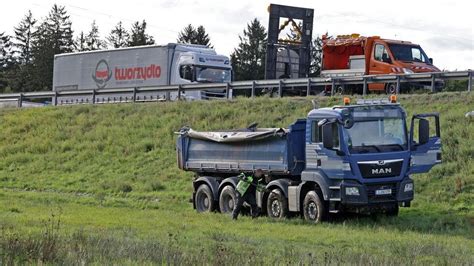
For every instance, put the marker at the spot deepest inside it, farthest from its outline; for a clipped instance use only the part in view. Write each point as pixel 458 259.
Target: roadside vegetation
pixel 99 184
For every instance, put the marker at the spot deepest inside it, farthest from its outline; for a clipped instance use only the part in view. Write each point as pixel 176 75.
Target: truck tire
pixel 393 211
pixel 341 90
pixel 391 88
pixel 227 199
pixel 204 199
pixel 277 205
pixel 314 209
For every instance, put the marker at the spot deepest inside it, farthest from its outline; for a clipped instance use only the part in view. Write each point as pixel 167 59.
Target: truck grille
pixel 373 197
pixel 377 169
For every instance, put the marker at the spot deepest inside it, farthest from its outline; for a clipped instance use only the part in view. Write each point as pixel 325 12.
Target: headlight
pixel 408 187
pixel 407 71
pixel 352 191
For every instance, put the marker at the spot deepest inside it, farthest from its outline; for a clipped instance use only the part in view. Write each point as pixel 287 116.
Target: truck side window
pixel 316 132
pixel 186 72
pixel 335 135
pixel 380 53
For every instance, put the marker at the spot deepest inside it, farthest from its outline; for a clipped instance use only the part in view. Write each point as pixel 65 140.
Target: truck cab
pixel 200 64
pixel 361 156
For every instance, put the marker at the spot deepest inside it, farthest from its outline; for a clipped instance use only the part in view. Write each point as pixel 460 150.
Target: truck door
pixel 319 157
pixel 380 64
pixel 426 151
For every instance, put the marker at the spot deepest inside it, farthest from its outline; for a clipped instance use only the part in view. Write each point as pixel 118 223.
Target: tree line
pixel 27 56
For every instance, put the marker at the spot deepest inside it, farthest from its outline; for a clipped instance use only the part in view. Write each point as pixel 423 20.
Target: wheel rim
pixel 312 211
pixel 203 202
pixel 392 89
pixel 228 202
pixel 276 208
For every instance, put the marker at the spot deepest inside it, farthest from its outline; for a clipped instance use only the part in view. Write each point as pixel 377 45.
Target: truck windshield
pixel 410 53
pixel 212 75
pixel 376 134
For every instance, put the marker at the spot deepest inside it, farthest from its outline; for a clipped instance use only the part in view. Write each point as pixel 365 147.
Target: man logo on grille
pixel 102 74
pixel 381 163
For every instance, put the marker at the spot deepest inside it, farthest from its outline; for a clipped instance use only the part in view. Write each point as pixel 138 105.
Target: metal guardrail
pixel 281 84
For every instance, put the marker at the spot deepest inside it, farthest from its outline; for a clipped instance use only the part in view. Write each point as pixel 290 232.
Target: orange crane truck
pixel 355 55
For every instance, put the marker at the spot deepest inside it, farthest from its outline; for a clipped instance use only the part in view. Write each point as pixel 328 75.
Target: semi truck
pixel 347 158
pixel 142 66
pixel 355 55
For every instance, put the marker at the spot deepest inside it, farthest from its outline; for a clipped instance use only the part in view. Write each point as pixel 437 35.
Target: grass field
pixel 99 184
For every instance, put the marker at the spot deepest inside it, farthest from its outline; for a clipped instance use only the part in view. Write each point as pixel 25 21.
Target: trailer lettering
pixel 143 73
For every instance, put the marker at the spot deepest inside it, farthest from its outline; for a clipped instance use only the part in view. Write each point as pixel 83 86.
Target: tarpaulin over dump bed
pixel 336 52
pixel 233 136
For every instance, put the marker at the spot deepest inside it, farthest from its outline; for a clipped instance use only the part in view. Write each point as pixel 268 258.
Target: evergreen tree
pixel 118 37
pixel 187 35
pixel 53 36
pixel 193 35
pixel 138 35
pixel 316 57
pixel 23 35
pixel 248 59
pixel 202 37
pixel 5 60
pixel 93 40
pixel 80 42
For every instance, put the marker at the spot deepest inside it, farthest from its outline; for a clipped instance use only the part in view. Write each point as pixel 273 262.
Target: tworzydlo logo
pixel 102 74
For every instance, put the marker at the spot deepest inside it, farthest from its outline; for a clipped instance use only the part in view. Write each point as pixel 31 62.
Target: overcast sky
pixel 445 29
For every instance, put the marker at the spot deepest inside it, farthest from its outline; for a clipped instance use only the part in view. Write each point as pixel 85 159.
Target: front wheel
pixel 227 199
pixel 277 205
pixel 313 207
pixel 391 88
pixel 204 199
pixel 392 211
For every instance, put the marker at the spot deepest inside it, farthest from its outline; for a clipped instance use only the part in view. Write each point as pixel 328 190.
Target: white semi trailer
pixel 142 66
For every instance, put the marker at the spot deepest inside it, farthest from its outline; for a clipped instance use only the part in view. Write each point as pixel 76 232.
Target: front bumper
pixel 369 193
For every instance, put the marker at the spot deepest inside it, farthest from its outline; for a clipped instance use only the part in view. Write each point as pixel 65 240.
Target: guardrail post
pixel 433 82
pixel 227 90
pixel 134 94
pixel 364 88
pixel 398 84
pixel 93 96
pixel 55 98
pixel 179 92
pixel 280 88
pixel 253 89
pixel 167 96
pixel 308 88
pixel 20 100
pixel 333 86
pixel 469 81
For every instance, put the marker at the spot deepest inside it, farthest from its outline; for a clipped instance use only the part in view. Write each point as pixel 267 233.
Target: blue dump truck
pixel 347 158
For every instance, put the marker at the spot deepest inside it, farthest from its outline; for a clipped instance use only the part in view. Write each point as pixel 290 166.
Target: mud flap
pixel 427 151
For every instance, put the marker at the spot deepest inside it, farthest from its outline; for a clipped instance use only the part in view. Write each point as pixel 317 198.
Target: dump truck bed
pixel 275 150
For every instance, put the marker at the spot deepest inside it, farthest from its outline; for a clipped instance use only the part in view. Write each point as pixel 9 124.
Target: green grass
pixel 99 184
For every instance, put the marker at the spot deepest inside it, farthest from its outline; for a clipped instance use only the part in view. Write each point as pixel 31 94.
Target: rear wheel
pixel 204 199
pixel 391 88
pixel 314 209
pixel 277 204
pixel 340 90
pixel 227 199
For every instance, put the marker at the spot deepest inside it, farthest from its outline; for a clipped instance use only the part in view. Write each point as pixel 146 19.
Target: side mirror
pixel 386 59
pixel 328 141
pixel 431 60
pixel 423 131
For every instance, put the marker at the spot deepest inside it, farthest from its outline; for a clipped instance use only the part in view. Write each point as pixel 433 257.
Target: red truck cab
pixel 352 55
